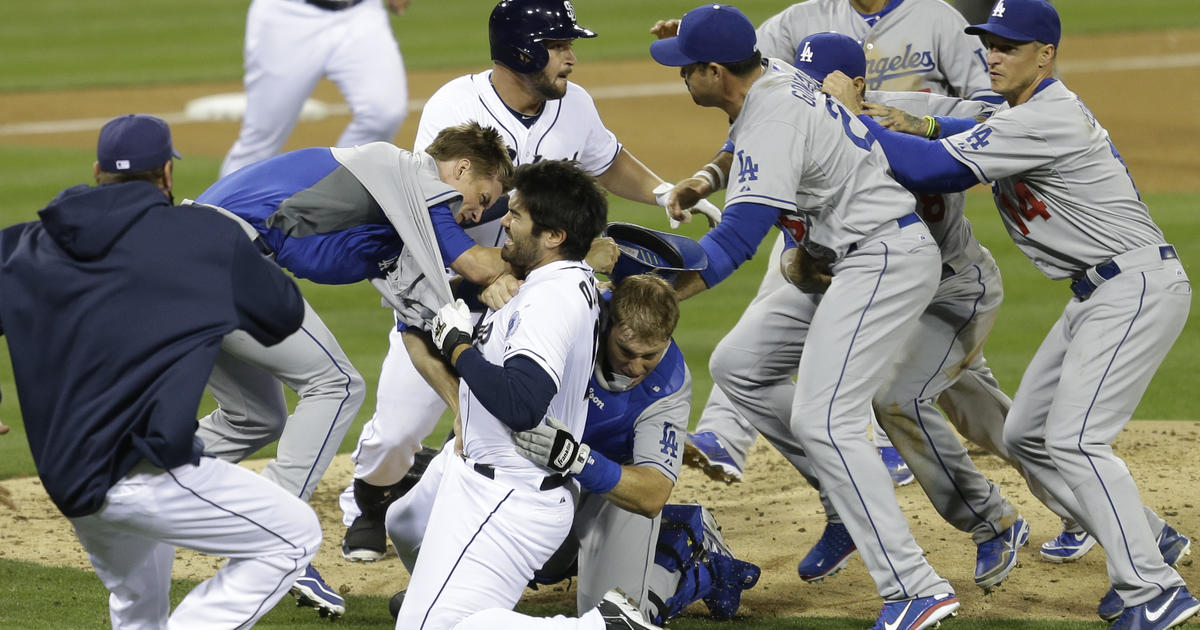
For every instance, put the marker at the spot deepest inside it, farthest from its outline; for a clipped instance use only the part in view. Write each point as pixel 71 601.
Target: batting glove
pixel 550 445
pixel 662 196
pixel 451 327
pixel 710 211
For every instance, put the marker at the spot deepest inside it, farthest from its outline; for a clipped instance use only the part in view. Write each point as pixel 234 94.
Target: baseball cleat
pixel 918 613
pixel 1173 545
pixel 1111 606
pixel 1068 546
pixel 829 555
pixel 1170 609
pixel 395 603
pixel 365 540
pixel 901 475
pixel 704 451
pixel 620 613
pixel 311 590
pixel 995 558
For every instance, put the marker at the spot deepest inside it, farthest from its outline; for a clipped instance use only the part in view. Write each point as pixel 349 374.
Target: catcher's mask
pixel 649 251
pixel 517 29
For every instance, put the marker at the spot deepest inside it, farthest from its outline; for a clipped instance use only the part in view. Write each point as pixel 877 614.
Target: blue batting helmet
pixel 649 251
pixel 517 29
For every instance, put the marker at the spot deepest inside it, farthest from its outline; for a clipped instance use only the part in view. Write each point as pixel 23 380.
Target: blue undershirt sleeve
pixel 920 165
pixel 951 125
pixel 451 238
pixel 518 393
pixel 735 239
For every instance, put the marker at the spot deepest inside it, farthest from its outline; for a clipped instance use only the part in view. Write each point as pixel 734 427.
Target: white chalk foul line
pixel 613 92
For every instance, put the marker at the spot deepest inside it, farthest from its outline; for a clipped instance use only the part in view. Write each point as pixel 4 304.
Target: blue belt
pixel 1083 286
pixel 902 222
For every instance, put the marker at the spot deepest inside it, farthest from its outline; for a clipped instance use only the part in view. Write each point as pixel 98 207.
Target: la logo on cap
pixel 998 11
pixel 806 55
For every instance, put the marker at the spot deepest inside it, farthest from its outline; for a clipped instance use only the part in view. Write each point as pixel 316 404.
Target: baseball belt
pixel 549 482
pixel 1093 277
pixel 333 5
pixel 902 222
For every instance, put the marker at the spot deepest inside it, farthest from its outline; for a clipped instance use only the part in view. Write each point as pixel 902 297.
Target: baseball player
pixel 910 45
pixel 804 161
pixel 114 303
pixel 291 44
pixel 1070 204
pixel 497 517
pixel 527 97
pixel 338 216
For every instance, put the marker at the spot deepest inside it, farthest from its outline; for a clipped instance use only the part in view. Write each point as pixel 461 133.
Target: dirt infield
pixel 773 517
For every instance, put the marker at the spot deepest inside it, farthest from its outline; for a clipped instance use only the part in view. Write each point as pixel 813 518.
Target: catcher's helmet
pixel 649 251
pixel 517 29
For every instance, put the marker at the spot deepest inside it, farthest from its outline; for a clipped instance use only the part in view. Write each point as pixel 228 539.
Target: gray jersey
pixel 790 154
pixel 942 213
pixel 1061 188
pixel 917 46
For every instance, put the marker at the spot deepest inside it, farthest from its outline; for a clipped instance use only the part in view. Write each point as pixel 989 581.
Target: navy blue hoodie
pixel 114 305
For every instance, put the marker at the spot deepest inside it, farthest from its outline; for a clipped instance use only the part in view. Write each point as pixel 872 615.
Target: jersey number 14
pixel 1026 208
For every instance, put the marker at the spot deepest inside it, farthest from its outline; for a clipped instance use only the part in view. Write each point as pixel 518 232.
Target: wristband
pixel 599 475
pixel 706 176
pixel 716 170
pixel 931 128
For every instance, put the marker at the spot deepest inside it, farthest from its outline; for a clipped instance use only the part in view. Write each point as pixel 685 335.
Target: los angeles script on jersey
pixel 909 62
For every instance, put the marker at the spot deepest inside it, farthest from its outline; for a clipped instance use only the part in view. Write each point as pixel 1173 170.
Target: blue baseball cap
pixel 717 33
pixel 1022 21
pixel 134 142
pixel 822 53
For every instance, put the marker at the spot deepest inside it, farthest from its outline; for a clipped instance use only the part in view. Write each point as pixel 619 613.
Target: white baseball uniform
pixel 492 524
pixel 407 408
pixel 800 152
pixel 1070 205
pixel 290 45
pixel 916 45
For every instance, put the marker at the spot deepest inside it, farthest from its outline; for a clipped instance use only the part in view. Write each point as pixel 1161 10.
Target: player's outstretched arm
pixel 480 265
pixel 428 361
pixel 630 179
pixel 642 490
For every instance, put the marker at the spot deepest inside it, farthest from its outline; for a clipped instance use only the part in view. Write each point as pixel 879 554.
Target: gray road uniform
pixel 950 334
pixel 1070 205
pixel 917 45
pixel 799 154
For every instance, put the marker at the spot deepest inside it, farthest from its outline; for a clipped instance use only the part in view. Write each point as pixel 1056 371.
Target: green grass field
pixel 62 44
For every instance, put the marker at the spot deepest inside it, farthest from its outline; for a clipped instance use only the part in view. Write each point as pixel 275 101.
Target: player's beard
pixel 543 84
pixel 521 255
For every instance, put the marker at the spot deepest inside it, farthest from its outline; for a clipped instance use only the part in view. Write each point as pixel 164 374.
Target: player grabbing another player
pixel 804 161
pixel 497 517
pixel 1069 203
pixel 291 45
pixel 528 98
pixel 909 45
pixel 114 304
pixel 337 216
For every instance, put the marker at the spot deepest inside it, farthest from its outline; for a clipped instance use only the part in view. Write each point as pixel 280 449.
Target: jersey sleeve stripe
pixel 612 159
pixel 783 204
pixel 540 360
pixel 966 161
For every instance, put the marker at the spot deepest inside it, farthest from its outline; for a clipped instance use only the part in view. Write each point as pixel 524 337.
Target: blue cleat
pixel 995 558
pixel 896 467
pixel 916 614
pixel 1171 608
pixel 1172 545
pixel 829 555
pixel 311 590
pixel 704 451
pixel 1068 546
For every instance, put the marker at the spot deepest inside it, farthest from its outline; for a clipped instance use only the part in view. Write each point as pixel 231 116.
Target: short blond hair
pixel 483 146
pixel 646 306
